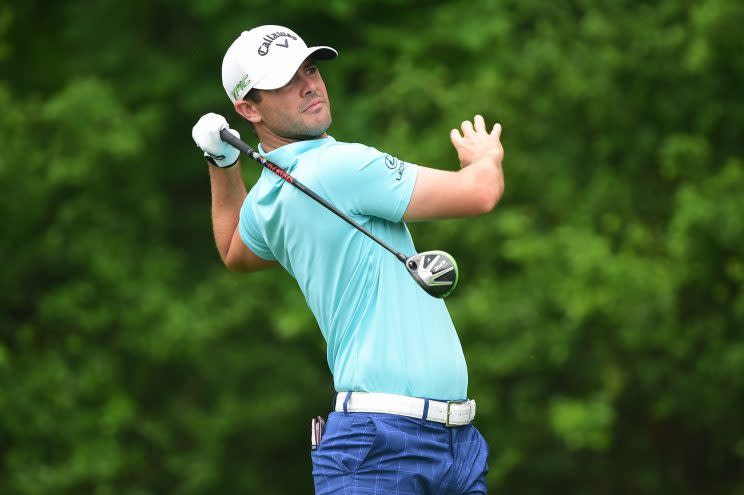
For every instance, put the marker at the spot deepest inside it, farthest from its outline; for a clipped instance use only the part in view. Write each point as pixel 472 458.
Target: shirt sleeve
pixel 366 181
pixel 249 231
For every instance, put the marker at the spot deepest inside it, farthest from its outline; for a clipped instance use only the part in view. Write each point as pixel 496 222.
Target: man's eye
pixel 311 70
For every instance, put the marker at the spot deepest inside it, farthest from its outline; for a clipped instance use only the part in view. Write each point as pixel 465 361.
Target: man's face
pixel 298 110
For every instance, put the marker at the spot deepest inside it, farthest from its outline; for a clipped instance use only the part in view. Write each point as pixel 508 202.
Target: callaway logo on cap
pixel 269 39
pixel 266 57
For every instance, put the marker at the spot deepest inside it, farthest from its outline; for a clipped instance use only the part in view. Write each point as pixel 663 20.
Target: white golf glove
pixel 206 134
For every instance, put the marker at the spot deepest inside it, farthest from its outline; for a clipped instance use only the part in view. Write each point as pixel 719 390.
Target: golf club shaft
pixel 229 138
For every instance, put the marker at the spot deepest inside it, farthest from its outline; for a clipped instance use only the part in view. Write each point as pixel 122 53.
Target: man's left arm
pixel 228 194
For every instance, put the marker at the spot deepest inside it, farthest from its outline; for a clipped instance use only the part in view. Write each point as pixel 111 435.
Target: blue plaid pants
pixel 374 453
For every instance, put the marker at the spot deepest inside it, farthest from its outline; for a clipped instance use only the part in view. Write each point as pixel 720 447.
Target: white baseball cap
pixel 266 57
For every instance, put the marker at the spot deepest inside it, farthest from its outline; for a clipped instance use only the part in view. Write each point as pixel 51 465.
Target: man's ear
pixel 248 110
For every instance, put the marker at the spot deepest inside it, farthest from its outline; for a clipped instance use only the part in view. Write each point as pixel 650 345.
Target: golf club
pixel 435 271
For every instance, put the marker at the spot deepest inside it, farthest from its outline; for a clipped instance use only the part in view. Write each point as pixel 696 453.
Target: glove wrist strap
pixel 212 162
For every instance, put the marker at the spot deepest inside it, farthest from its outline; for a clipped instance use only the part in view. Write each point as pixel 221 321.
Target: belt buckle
pixel 449 412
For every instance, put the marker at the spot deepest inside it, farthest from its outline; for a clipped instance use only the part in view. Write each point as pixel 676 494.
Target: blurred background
pixel 600 306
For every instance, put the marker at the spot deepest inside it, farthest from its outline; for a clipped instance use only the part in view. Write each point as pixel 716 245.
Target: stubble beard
pixel 304 131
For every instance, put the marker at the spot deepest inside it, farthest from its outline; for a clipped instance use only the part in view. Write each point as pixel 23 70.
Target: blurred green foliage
pixel 601 305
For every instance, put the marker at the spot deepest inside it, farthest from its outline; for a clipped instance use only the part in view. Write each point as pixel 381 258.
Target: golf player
pixel 403 420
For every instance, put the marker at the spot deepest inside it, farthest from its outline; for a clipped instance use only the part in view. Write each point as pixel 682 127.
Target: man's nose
pixel 308 85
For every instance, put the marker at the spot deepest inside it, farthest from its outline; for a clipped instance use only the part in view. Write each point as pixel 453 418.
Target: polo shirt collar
pixel 284 156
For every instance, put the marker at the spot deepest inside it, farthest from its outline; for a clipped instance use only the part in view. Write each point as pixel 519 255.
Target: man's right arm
pixel 473 190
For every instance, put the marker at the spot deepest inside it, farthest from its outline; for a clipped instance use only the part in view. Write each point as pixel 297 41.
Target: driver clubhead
pixel 435 271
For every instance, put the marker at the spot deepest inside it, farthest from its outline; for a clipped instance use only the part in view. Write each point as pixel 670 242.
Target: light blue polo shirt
pixel 384 334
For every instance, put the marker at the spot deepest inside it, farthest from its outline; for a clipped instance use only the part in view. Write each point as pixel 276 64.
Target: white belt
pixel 451 413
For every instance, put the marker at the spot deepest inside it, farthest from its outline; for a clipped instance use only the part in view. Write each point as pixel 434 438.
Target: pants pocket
pixel 345 445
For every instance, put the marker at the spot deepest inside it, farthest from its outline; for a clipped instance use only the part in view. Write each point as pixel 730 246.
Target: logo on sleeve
pixel 393 163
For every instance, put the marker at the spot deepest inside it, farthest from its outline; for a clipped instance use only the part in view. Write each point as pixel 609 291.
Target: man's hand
pixel 474 190
pixel 206 134
pixel 475 143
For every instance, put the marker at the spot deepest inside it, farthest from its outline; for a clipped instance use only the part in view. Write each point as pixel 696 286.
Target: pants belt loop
pixel 346 402
pixel 426 410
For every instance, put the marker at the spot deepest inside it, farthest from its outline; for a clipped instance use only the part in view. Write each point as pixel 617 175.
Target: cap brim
pixel 282 77
pixel 323 52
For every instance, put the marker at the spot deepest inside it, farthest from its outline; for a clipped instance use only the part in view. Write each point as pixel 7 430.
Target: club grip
pixel 236 142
